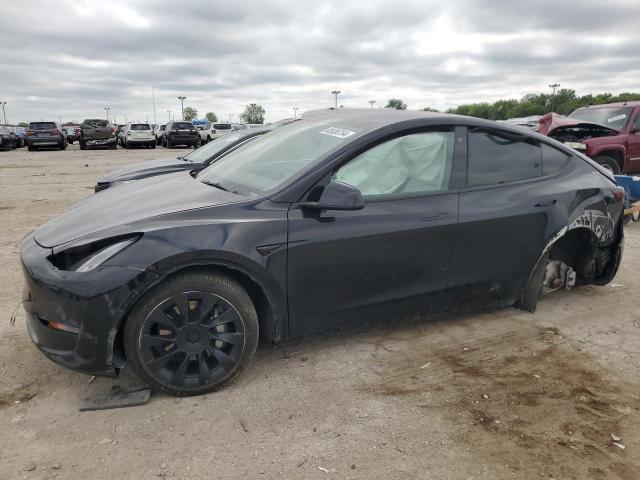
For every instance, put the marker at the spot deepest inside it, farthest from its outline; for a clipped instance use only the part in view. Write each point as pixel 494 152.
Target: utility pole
pixel 107 110
pixel 182 99
pixel 153 98
pixel 336 93
pixel 4 114
pixel 553 94
pixel 169 112
pixel 371 102
pixel 295 113
pixel 229 118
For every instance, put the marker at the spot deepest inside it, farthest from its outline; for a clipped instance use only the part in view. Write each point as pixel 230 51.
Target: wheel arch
pixel 271 310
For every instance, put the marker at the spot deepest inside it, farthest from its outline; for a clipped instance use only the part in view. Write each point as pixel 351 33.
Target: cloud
pixel 73 58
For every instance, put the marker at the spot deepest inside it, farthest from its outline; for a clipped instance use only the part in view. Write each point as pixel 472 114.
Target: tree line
pixel 563 102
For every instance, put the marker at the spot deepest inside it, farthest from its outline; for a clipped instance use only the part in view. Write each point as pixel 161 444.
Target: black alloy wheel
pixel 192 341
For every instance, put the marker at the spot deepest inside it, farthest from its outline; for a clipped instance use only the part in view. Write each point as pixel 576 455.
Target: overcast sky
pixel 70 59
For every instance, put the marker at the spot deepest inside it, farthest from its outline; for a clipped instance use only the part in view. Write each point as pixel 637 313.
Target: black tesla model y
pixel 342 218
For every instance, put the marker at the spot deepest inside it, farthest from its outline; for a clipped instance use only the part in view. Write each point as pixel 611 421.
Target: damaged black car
pixel 345 217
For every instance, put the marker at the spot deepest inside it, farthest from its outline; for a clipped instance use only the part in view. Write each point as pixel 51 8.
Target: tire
pixel 169 144
pixel 126 145
pixel 113 146
pixel 609 163
pixel 206 352
pixel 5 146
pixel 83 145
pixel 208 138
pixel 153 146
pixel 63 146
pixel 31 148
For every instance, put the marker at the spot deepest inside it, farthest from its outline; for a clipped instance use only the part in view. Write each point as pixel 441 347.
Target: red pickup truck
pixel 609 134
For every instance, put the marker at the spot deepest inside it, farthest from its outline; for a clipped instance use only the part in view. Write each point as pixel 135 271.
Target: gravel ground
pixel 499 395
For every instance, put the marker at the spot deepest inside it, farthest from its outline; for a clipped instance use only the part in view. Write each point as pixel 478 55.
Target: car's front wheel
pixel 192 333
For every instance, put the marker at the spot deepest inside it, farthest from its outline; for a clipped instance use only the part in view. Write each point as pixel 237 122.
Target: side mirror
pixel 337 196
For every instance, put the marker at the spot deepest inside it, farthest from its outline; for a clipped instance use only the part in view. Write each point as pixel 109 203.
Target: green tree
pixel 211 117
pixel 429 109
pixel 253 113
pixel 190 113
pixel 396 103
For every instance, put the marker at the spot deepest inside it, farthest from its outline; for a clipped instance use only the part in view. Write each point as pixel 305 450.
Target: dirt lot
pixel 501 395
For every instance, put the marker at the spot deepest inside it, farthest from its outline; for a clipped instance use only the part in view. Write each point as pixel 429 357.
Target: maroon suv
pixel 609 134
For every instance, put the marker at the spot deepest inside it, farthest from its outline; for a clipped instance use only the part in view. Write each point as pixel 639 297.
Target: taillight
pixel 619 194
pixel 56 132
pixel 113 131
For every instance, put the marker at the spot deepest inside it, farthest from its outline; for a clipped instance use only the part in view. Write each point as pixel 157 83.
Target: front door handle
pixel 433 217
pixel 545 204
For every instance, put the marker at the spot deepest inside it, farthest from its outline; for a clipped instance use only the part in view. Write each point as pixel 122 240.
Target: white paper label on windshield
pixel 617 117
pixel 337 132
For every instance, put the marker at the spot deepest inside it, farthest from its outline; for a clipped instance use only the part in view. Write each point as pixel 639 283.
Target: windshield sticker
pixel 617 117
pixel 337 132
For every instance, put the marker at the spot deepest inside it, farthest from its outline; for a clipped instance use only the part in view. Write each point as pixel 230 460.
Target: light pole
pixel 335 93
pixel 229 118
pixel 295 113
pixel 169 112
pixel 106 109
pixel 371 102
pixel 153 98
pixel 4 114
pixel 182 99
pixel 553 94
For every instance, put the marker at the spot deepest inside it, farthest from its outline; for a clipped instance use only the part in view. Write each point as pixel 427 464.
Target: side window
pixel 553 160
pixel 494 160
pixel 416 163
pixel 636 123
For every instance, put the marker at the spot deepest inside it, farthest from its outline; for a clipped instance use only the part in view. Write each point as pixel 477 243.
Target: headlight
pixel 83 258
pixel 103 255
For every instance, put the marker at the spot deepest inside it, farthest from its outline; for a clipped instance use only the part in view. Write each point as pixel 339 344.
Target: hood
pixel 129 203
pixel 552 121
pixel 147 169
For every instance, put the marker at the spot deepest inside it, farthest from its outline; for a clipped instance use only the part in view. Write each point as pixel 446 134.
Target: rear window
pixel 495 160
pixel 140 126
pixel 42 126
pixel 96 122
pixel 182 126
pixel 222 126
pixel 553 160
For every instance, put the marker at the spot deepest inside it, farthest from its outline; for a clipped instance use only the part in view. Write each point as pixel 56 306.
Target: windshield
pixel 140 126
pixel 212 149
pixel 272 159
pixel 614 117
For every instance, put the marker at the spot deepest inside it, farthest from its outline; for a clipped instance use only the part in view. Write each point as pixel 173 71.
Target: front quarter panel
pixel 226 236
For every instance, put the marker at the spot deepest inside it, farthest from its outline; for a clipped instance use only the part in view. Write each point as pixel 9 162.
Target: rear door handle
pixel 545 204
pixel 433 217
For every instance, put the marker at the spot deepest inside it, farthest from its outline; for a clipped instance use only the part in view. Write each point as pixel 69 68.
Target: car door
pixel 633 143
pixel 387 260
pixel 506 214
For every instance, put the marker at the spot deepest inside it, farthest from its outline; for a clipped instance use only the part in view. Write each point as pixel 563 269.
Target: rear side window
pixel 553 160
pixel 494 159
pixel 222 126
pixel 140 126
pixel 42 126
